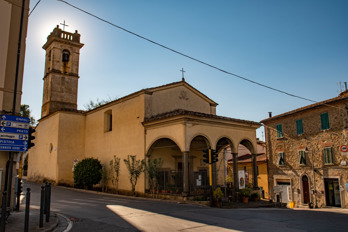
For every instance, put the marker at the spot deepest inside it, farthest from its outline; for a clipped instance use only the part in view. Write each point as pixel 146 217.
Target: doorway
pixel 305 190
pixel 332 192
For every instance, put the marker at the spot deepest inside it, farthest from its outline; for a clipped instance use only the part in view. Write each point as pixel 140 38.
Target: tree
pixel 135 168
pixel 152 168
pixel 25 112
pixel 87 172
pixel 94 104
pixel 115 171
pixel 104 178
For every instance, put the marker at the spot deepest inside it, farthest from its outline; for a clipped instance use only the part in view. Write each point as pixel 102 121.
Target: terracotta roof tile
pixel 180 112
pixel 342 96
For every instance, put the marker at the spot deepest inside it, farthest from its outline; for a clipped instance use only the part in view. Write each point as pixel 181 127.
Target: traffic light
pixel 31 137
pixel 214 156
pixel 206 156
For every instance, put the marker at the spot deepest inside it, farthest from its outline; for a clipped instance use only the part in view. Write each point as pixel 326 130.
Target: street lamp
pixel 314 193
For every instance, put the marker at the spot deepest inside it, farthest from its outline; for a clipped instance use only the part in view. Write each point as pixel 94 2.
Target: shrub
pixel 245 192
pixel 115 171
pixel 217 194
pixel 135 168
pixel 87 172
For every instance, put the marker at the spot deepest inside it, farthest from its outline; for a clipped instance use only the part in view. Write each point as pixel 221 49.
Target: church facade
pixel 174 122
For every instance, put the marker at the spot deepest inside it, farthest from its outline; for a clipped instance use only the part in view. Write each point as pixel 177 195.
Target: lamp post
pixel 314 193
pixel 314 188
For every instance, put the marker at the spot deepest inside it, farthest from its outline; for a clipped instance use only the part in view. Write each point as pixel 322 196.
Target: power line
pixel 190 57
pixel 34 8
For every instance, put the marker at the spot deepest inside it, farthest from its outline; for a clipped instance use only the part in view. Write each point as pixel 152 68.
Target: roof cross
pixel 64 25
pixel 182 70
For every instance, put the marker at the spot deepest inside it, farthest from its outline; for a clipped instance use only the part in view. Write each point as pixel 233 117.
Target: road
pixel 105 212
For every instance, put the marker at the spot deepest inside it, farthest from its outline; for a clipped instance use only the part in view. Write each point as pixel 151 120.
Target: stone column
pixel 186 170
pixel 254 171
pixel 235 171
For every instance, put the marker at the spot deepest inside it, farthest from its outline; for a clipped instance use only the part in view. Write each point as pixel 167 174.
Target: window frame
pixel 281 156
pixel 303 154
pixel 328 152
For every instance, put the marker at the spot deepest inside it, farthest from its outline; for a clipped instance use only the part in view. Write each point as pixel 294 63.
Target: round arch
pixel 170 173
pixel 198 136
pixel 156 140
pixel 248 144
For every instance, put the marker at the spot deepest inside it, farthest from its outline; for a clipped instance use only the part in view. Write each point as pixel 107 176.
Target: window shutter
pixel 325 121
pixel 328 155
pixel 279 131
pixel 299 127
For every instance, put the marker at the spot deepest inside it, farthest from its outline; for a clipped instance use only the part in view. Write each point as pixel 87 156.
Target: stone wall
pixel 312 141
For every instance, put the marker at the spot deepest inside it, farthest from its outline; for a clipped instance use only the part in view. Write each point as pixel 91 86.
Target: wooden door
pixel 305 190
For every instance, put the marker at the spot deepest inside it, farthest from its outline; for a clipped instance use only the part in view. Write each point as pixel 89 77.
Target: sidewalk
pixel 15 222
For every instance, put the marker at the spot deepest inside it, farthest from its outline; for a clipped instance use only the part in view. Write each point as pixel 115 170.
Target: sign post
pixel 14 132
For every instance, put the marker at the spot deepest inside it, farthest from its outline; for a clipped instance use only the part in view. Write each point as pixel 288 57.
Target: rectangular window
pixel 299 127
pixel 302 157
pixel 281 159
pixel 328 155
pixel 279 131
pixel 325 121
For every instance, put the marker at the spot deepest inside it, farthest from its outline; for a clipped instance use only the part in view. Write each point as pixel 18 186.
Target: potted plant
pixel 245 193
pixel 217 194
pixel 255 196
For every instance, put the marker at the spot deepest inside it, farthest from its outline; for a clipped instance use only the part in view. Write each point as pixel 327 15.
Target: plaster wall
pixel 126 137
pixel 71 144
pixel 179 97
pixel 42 158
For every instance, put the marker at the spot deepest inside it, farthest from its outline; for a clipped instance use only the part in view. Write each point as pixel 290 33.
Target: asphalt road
pixel 105 212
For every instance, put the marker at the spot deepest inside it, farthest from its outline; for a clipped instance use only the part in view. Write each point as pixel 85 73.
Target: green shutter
pixel 325 121
pixel 279 131
pixel 302 157
pixel 299 127
pixel 328 155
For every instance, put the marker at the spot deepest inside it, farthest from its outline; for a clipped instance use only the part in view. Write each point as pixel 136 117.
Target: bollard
pixel 48 200
pixel 18 193
pixel 27 207
pixel 3 211
pixel 42 205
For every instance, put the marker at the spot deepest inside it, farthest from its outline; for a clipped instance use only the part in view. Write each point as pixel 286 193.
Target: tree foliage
pixel 94 104
pixel 26 112
pixel 87 172
pixel 135 168
pixel 152 168
pixel 104 178
pixel 115 171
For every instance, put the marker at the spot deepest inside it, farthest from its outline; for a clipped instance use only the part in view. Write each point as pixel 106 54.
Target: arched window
pixel 108 121
pixel 65 56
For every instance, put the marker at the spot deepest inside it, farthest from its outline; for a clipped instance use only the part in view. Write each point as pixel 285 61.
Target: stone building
pixel 174 122
pixel 307 154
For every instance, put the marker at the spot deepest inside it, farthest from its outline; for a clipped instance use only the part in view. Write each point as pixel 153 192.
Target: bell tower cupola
pixel 61 71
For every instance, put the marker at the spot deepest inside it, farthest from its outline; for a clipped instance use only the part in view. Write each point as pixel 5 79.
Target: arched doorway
pixel 170 175
pixel 198 170
pixel 305 189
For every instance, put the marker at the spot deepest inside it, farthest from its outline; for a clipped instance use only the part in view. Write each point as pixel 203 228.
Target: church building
pixel 175 122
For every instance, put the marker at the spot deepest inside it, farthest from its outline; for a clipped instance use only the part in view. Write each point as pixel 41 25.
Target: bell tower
pixel 61 71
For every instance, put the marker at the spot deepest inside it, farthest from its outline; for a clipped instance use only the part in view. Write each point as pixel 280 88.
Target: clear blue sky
pixel 298 46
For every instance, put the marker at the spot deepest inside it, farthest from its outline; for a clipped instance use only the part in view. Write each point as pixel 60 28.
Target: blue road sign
pixel 14 132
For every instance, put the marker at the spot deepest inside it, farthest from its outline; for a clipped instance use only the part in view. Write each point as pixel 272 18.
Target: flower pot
pixel 245 200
